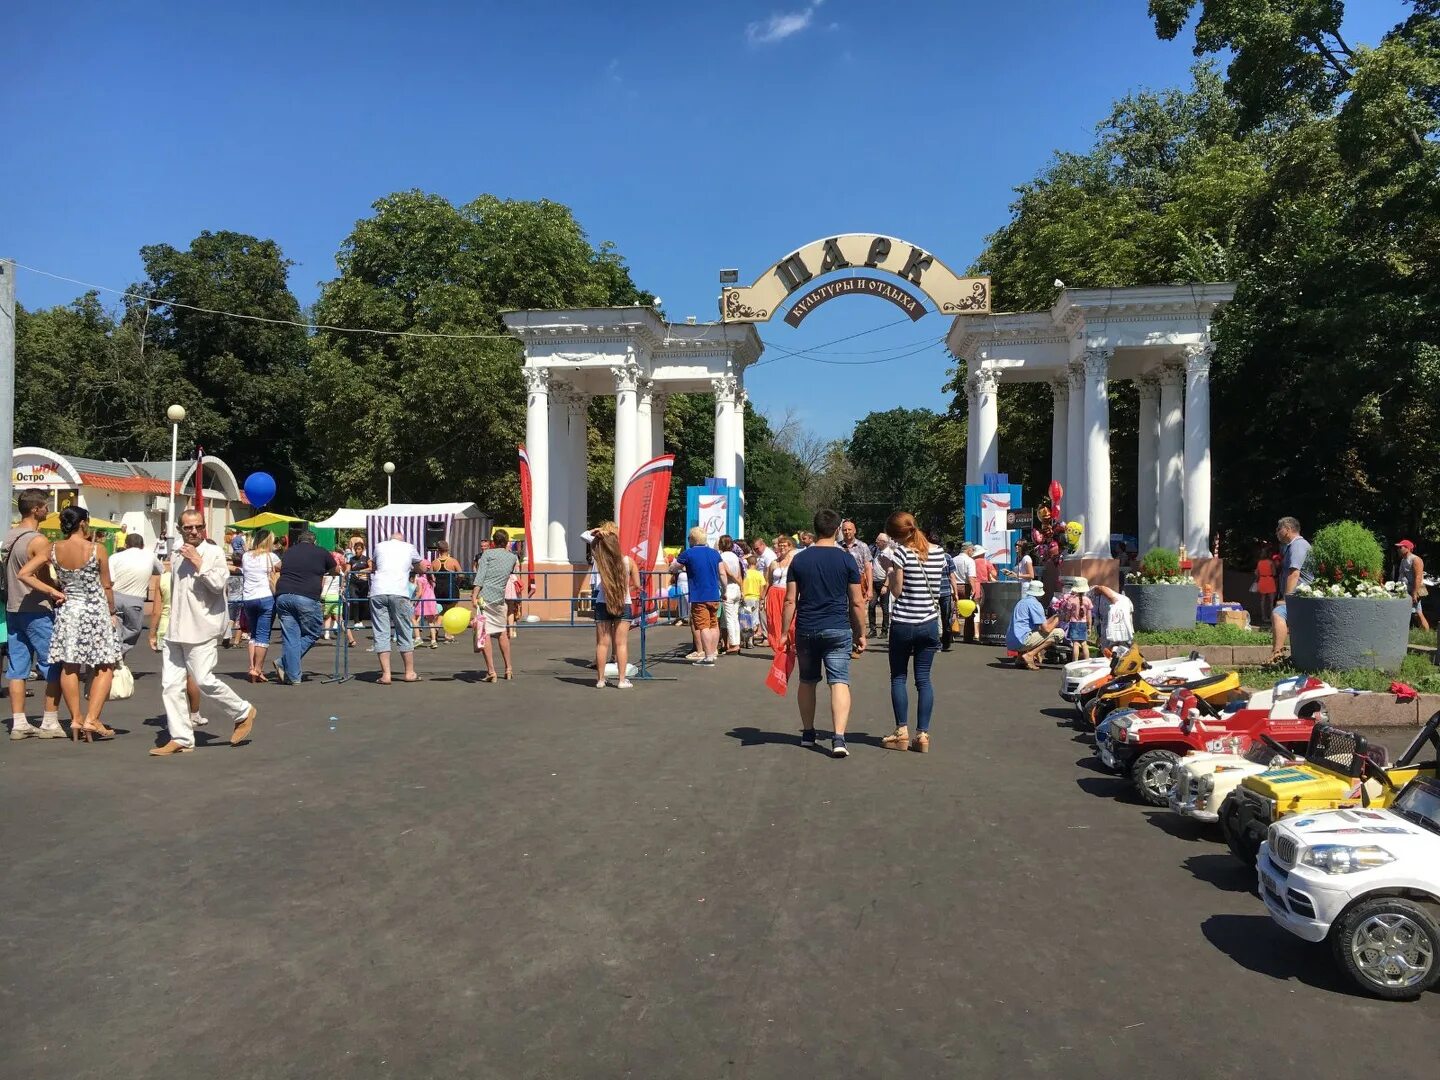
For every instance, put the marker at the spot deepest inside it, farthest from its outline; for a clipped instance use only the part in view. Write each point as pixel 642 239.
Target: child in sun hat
pixel 1077 613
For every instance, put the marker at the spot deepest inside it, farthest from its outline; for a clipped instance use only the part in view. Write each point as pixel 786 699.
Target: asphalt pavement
pixel 539 879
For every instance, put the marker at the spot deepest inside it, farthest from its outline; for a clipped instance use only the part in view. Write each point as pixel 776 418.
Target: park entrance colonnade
pixel 1159 336
pixel 639 358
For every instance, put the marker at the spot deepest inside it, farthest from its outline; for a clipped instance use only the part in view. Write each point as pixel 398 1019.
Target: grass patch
pixel 1415 670
pixel 1203 634
pixel 1422 637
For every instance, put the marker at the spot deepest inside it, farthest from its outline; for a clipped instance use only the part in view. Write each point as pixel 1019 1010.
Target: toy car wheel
pixel 1153 774
pixel 1235 835
pixel 1390 946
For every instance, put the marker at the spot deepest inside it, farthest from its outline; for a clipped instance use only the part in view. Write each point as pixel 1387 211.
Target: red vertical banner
pixel 642 515
pixel 525 510
pixel 200 482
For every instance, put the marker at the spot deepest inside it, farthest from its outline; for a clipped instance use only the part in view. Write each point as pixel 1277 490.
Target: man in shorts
pixel 701 564
pixel 824 617
pixel 1293 574
pixel 30 617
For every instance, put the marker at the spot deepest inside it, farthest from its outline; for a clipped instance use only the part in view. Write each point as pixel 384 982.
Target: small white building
pixel 135 494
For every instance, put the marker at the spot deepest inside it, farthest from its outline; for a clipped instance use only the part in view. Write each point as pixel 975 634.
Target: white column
pixel 1097 453
pixel 972 454
pixel 627 380
pixel 1171 466
pixel 561 470
pixel 741 397
pixel 1197 449
pixel 577 409
pixel 1147 527
pixel 644 428
pixel 657 424
pixel 537 446
pixel 725 387
pixel 987 421
pixel 1073 503
pixel 1059 429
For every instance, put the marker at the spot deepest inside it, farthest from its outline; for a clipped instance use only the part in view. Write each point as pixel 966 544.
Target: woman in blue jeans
pixel 259 567
pixel 916 577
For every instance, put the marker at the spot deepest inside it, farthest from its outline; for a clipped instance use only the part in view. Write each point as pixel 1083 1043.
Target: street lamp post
pixel 176 414
pixel 389 468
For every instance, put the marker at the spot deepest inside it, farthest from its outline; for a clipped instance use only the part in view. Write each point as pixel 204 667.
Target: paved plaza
pixel 541 879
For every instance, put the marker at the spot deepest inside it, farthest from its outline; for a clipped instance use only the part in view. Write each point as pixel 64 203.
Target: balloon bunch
pixel 1053 537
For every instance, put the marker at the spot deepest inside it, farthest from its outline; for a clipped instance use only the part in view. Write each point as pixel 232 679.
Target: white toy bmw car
pixel 1369 882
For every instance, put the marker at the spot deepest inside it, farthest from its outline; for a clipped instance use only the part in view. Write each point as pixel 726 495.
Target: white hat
pixel 975 549
pixel 1080 585
pixel 1034 587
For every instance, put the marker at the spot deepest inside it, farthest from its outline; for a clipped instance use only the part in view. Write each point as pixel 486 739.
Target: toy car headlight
pixel 1343 859
pixel 1207 783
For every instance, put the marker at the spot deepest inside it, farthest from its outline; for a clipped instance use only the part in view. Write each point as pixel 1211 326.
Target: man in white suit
pixel 197 621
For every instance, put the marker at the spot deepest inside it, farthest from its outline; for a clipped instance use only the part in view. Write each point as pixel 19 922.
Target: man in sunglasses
pixel 197 621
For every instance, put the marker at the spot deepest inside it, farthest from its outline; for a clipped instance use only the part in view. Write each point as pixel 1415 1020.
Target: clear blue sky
pixel 696 136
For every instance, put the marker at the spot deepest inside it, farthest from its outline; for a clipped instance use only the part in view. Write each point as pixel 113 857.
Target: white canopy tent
pixel 344 518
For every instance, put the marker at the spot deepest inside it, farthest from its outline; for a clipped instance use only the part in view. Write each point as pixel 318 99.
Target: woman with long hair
pixel 492 576
pixel 916 576
pixel 614 582
pixel 259 569
pixel 86 631
pixel 775 594
pixel 730 582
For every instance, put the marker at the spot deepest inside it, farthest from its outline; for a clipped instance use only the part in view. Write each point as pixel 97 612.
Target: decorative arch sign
pixel 891 269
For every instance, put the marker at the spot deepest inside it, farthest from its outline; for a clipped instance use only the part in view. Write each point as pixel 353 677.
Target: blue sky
pixel 695 136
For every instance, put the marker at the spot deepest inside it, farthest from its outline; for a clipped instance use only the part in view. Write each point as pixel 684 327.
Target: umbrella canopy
pixel 52 523
pixel 266 520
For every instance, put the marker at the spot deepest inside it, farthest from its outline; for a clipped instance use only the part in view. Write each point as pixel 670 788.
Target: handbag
pixel 781 668
pixel 122 683
pixel 482 634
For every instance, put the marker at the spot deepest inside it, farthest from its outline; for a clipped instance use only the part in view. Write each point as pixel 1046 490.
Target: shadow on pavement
pixel 1257 944
pixel 1224 871
pixel 1114 787
pixel 1182 828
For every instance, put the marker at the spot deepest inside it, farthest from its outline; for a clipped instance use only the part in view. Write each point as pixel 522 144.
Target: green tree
pixel 250 372
pixel 450 408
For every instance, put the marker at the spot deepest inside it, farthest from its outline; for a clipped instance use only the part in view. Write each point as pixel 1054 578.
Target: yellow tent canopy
pixel 266 520
pixel 52 523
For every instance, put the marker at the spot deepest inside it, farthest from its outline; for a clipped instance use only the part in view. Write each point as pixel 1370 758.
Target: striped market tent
pixel 464 527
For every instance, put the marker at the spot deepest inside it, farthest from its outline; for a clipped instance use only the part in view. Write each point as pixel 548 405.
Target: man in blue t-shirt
pixel 1030 631
pixel 703 569
pixel 823 605
pixel 1293 574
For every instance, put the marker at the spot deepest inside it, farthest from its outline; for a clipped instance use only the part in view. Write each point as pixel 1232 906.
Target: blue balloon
pixel 259 489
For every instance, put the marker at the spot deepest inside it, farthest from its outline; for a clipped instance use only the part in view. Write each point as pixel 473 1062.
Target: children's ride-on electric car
pixel 1201 781
pixel 1144 745
pixel 1081 679
pixel 1368 881
pixel 1341 770
pixel 1135 690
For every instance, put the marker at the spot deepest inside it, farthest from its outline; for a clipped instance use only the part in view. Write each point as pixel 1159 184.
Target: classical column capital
pixel 1197 357
pixel 1060 388
pixel 985 380
pixel 1097 362
pixel 646 389
pixel 537 380
pixel 1148 386
pixel 726 387
pixel 627 377
pixel 1170 376
pixel 1075 376
pixel 570 399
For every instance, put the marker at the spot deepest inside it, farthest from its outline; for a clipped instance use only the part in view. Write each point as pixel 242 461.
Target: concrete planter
pixel 1340 632
pixel 1163 607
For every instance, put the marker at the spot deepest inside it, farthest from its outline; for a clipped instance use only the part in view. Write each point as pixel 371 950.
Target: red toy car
pixel 1145 744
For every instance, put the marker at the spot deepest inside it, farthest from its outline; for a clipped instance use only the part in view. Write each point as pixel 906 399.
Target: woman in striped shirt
pixel 915 574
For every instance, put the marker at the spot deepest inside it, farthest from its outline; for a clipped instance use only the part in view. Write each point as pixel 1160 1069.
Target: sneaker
pixel 699 661
pixel 52 730
pixel 280 672
pixel 709 661
pixel 625 684
pixel 838 748
pixel 807 737
pixel 23 730
pixel 199 721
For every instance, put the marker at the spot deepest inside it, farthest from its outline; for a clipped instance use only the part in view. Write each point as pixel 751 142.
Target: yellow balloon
pixel 456 620
pixel 965 608
pixel 1072 533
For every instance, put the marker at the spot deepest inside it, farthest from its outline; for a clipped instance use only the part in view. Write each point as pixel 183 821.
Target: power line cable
pixel 265 319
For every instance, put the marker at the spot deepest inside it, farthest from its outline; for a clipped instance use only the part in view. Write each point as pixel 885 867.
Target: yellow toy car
pixel 1341 769
pixel 1132 688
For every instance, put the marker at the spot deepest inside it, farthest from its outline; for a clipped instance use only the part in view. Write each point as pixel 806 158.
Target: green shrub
pixel 1346 552
pixel 1160 563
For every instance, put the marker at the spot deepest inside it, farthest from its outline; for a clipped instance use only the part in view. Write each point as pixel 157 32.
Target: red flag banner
pixel 525 509
pixel 642 512
pixel 200 481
